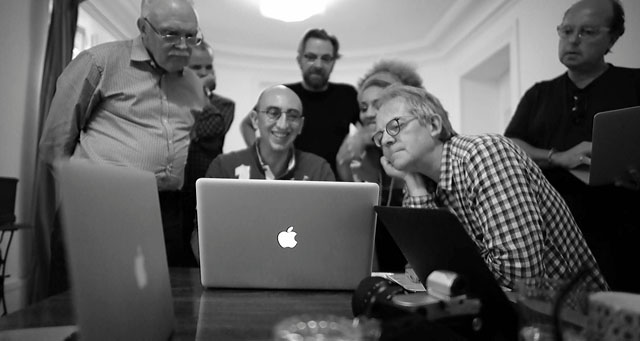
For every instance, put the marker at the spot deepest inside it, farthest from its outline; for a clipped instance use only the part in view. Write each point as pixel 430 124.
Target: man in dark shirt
pixel 553 124
pixel 329 107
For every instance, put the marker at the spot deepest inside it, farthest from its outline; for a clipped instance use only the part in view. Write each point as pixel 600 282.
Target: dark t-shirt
pixel 327 116
pixel 556 114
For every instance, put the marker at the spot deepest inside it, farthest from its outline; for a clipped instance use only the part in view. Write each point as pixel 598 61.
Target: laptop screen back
pixel 433 239
pixel 115 252
pixel 285 234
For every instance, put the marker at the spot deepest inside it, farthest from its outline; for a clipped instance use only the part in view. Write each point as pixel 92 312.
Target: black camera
pixel 444 311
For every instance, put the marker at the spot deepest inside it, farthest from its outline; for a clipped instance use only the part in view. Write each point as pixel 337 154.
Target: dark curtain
pixel 60 41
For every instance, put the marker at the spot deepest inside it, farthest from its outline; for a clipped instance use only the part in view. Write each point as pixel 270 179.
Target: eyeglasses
pixel 172 38
pixel 392 128
pixel 586 33
pixel 273 113
pixel 312 57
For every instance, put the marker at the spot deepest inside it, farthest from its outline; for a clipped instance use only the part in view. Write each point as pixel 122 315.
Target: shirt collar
pixel 446 171
pixel 267 170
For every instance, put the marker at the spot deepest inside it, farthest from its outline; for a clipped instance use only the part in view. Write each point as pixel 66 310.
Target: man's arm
pixel 247 130
pixel 71 108
pixel 505 212
pixel 228 112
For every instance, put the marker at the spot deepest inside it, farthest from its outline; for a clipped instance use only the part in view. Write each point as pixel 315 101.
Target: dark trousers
pixel 175 239
pixel 609 218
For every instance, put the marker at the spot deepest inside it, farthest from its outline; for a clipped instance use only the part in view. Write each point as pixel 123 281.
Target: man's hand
pixel 390 170
pixel 578 155
pixel 413 181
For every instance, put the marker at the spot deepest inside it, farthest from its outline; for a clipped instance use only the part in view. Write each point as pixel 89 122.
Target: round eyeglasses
pixel 392 128
pixel 291 115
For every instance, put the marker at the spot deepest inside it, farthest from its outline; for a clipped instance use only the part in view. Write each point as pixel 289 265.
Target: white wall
pixel 528 28
pixel 24 24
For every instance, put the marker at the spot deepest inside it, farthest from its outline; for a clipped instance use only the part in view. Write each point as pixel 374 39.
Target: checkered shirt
pixel 520 224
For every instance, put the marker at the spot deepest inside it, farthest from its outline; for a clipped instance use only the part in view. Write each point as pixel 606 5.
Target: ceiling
pixel 364 27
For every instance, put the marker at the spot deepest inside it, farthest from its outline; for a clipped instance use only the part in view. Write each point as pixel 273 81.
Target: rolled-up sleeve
pixel 71 107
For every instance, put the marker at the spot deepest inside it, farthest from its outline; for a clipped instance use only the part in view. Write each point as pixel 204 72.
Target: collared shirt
pixel 113 105
pixel 519 223
pixel 247 164
pixel 268 173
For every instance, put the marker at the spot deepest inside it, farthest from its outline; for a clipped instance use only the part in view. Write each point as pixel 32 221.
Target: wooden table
pixel 206 314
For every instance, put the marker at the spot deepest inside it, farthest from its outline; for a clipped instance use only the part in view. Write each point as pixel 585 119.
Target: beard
pixel 316 79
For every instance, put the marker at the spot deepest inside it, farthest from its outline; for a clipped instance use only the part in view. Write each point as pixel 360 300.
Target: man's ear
pixel 253 115
pixel 301 125
pixel 435 124
pixel 140 24
pixel 299 60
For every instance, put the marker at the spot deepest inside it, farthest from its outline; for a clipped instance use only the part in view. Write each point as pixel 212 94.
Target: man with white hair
pixel 131 103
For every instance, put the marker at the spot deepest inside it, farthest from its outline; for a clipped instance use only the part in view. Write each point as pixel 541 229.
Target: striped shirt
pixel 113 105
pixel 520 224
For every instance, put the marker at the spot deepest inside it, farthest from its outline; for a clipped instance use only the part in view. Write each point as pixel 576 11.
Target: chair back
pixel 7 200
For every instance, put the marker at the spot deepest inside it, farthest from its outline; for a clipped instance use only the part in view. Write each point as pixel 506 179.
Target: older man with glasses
pixel 132 103
pixel 553 124
pixel 520 224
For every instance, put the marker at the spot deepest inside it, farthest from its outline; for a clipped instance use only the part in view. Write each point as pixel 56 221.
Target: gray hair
pixel 422 105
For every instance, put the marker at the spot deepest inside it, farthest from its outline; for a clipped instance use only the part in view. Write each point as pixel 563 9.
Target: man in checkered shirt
pixel 520 224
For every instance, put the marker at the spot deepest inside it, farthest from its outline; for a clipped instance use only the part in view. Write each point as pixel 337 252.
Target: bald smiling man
pixel 279 118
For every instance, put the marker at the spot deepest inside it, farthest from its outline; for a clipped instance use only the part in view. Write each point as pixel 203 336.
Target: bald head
pixel 279 95
pixel 610 11
pixel 278 118
pixel 149 6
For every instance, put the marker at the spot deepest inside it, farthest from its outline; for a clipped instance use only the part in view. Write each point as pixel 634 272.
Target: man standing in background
pixel 553 124
pixel 329 108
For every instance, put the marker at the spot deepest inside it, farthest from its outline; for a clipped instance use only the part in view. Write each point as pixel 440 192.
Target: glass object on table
pixel 535 300
pixel 326 327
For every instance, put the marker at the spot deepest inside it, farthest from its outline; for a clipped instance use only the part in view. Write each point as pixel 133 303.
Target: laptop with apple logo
pixel 115 252
pixel 280 234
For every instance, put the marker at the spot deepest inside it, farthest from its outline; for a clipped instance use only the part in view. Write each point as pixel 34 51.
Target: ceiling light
pixel 291 10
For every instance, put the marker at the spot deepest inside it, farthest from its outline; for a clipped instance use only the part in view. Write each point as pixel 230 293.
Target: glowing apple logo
pixel 140 269
pixel 287 238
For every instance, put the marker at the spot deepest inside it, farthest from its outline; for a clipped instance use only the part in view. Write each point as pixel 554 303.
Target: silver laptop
pixel 283 234
pixel 615 147
pixel 115 252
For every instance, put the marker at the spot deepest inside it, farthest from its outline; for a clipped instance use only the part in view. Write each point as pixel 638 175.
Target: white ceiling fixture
pixel 292 10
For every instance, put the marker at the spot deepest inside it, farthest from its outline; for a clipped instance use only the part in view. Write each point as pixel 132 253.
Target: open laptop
pixel 615 147
pixel 115 252
pixel 279 234
pixel 434 239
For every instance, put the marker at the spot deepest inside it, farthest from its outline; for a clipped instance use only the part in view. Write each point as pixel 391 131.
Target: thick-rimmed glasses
pixel 586 32
pixel 392 128
pixel 291 115
pixel 171 38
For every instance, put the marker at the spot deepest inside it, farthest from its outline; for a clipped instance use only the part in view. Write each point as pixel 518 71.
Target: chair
pixel 7 226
